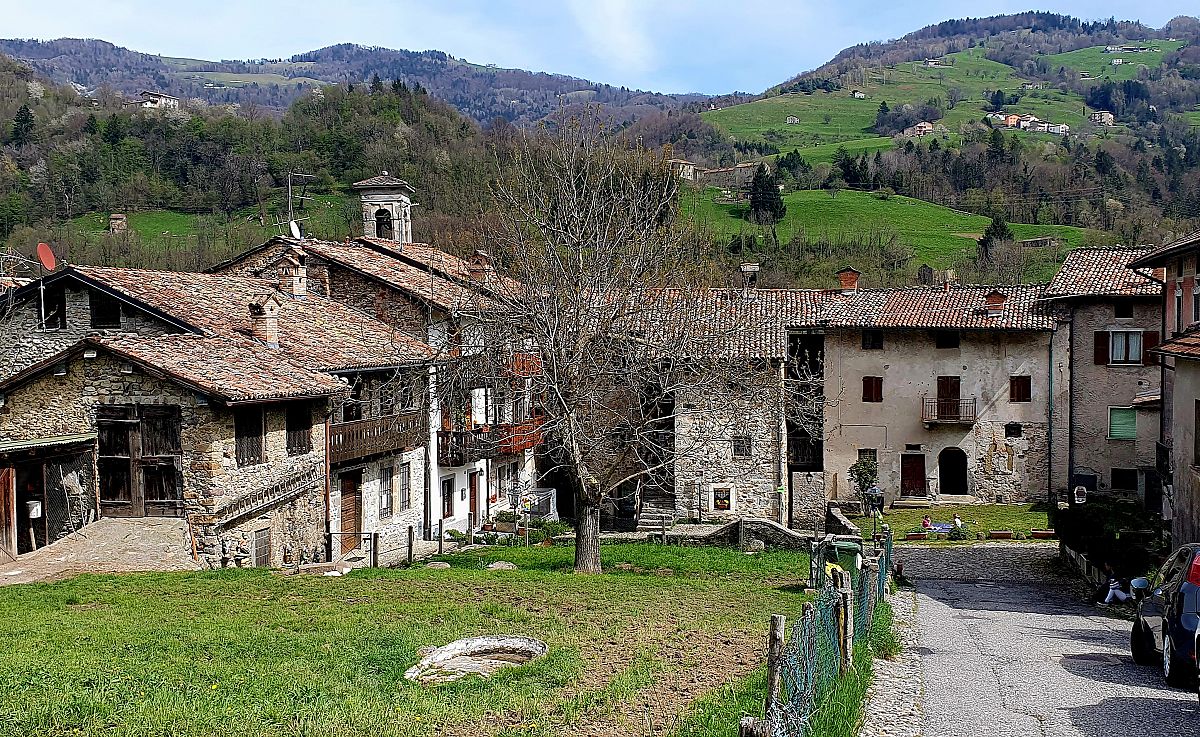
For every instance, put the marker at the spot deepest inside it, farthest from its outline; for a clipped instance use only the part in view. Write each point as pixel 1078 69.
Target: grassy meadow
pixel 979 517
pixel 251 652
pixel 1093 59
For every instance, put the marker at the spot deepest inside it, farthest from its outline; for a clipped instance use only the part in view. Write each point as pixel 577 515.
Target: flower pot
pixel 1000 534
pixel 1043 534
pixel 488 526
pixel 506 527
pixel 917 536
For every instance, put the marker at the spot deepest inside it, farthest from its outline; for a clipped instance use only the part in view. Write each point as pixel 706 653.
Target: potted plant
pixel 507 521
pixel 1042 534
pixel 917 533
pixel 1000 534
pixel 488 526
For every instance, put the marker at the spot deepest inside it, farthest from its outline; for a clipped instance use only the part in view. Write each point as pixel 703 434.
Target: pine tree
pixel 997 232
pixel 766 204
pixel 22 126
pixel 376 84
pixel 91 126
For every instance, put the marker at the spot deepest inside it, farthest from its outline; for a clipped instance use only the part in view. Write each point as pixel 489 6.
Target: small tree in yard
pixel 864 474
pixel 593 307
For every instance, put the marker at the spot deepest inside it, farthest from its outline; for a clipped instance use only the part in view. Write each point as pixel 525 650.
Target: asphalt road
pixel 1027 657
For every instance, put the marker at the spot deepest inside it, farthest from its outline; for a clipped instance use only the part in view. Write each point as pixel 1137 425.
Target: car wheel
pixel 1141 647
pixel 1174 669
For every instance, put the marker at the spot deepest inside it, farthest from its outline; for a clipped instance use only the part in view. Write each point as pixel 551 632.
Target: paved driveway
pixel 1007 648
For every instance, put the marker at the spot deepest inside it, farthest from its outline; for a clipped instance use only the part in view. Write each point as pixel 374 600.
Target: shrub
pixel 962 533
pixel 507 516
pixel 885 193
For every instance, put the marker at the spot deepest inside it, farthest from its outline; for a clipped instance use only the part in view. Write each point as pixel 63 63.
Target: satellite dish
pixel 294 227
pixel 45 254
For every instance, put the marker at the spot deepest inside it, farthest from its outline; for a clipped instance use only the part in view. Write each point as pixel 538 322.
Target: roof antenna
pixel 293 223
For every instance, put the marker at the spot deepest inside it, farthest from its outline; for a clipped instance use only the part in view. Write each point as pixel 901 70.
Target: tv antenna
pixel 293 223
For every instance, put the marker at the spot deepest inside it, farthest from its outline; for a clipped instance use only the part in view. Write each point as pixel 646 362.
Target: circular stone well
pixel 481 656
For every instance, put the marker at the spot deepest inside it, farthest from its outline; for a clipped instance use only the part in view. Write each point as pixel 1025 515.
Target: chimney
pixel 848 279
pixel 480 268
pixel 293 276
pixel 749 279
pixel 995 303
pixel 264 319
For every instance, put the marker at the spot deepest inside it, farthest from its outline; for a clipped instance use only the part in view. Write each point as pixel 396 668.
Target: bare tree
pixel 593 310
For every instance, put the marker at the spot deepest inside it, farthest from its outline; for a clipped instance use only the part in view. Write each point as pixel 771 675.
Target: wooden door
pixel 473 490
pixel 140 460
pixel 948 394
pixel 351 483
pixel 912 474
pixel 8 514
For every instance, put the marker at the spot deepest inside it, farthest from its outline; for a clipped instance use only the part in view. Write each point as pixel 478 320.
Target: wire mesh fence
pixel 821 643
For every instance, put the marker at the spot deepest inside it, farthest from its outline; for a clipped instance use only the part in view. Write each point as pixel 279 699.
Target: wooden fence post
pixel 774 661
pixel 845 619
pixel 374 549
pixel 411 542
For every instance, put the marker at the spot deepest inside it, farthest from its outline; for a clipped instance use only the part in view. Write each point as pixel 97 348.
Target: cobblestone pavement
pixel 1007 647
pixel 109 545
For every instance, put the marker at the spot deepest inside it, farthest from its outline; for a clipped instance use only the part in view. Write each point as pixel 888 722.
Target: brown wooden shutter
pixel 1101 347
pixel 1149 340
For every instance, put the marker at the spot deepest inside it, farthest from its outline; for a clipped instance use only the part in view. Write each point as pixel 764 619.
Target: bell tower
pixel 386 207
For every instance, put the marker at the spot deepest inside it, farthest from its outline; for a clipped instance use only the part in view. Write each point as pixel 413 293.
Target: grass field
pixel 1093 59
pixel 250 652
pixel 980 517
pixel 851 120
pixel 231 79
pixel 937 234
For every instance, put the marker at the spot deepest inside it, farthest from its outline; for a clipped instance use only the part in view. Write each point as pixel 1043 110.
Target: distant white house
pixel 1118 62
pixel 858 95
pixel 1032 85
pixel 934 63
pixel 154 101
pixel 793 120
pixel 1102 117
pixel 1059 129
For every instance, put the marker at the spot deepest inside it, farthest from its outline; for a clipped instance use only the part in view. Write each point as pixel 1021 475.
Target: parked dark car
pixel 1168 616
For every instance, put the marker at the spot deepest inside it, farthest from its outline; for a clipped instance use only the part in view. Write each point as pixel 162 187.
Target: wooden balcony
pixel 948 411
pixel 459 447
pixel 361 438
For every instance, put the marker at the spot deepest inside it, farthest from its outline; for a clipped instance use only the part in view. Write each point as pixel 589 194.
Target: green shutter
pixel 1122 423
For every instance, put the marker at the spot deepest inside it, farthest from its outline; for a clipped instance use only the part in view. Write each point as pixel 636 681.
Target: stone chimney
pixel 264 319
pixel 749 279
pixel 995 303
pixel 848 279
pixel 293 276
pixel 480 267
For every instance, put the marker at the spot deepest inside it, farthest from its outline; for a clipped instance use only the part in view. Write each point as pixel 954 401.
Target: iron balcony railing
pixel 948 411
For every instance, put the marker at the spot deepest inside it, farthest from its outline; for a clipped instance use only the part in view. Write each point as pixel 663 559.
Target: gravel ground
pixel 894 701
pixel 1006 646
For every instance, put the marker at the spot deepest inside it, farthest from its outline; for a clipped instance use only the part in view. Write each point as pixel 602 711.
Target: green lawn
pixel 980 517
pixel 851 120
pixel 231 79
pixel 937 234
pixel 255 653
pixel 1093 59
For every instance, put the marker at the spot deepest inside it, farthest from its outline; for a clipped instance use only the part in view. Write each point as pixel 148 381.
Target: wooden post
pixel 374 549
pixel 441 534
pixel 775 660
pixel 751 727
pixel 845 616
pixel 412 533
pixel 741 532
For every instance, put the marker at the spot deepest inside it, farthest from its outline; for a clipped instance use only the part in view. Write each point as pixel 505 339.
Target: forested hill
pixel 480 92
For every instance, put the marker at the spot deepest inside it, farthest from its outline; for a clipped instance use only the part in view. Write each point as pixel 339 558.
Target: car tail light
pixel 1193 576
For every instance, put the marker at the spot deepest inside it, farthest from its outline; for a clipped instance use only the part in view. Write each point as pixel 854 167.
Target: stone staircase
pixel 913 502
pixel 652 520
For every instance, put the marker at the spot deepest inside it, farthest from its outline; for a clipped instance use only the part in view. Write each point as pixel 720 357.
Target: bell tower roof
pixel 384 181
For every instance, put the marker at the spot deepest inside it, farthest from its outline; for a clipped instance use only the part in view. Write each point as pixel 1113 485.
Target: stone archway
pixel 383 224
pixel 952 471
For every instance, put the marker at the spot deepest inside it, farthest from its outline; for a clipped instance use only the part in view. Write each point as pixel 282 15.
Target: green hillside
pixel 938 235
pixel 1094 59
pixel 850 120
pixel 230 79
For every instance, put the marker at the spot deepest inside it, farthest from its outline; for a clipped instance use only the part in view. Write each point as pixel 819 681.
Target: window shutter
pixel 1122 423
pixel 1100 354
pixel 1149 341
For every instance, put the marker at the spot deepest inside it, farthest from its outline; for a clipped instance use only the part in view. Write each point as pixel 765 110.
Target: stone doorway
pixel 952 471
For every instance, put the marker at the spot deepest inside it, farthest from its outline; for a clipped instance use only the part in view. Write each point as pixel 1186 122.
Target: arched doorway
pixel 952 471
pixel 383 224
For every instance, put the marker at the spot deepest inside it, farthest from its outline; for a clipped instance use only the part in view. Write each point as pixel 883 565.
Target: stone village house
pixel 227 401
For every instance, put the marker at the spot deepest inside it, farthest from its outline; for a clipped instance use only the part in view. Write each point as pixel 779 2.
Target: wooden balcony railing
pixel 459 447
pixel 953 411
pixel 362 438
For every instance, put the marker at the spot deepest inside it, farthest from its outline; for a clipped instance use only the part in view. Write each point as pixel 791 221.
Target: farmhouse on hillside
pixel 792 120
pixel 858 94
pixel 1102 117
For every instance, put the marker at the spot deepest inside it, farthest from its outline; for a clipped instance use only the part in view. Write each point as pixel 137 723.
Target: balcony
pixel 362 438
pixel 460 447
pixel 948 411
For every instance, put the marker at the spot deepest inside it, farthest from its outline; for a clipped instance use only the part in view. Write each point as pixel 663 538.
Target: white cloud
pixel 616 34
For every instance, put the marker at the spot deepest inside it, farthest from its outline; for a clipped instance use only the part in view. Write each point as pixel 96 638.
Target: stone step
pixel 912 502
pixel 956 499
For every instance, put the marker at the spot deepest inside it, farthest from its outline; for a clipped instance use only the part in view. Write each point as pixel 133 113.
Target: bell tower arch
pixel 386 207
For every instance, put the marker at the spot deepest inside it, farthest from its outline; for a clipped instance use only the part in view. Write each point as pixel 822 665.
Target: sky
pixel 710 46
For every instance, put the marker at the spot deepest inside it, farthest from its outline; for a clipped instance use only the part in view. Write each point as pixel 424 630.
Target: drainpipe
pixel 328 471
pixel 1050 424
pixel 1070 401
pixel 785 512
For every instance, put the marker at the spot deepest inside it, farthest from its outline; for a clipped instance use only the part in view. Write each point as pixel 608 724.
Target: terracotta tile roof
pixel 1186 345
pixel 1104 271
pixel 430 258
pixel 314 332
pixel 1161 255
pixel 424 284
pixel 228 368
pixel 382 180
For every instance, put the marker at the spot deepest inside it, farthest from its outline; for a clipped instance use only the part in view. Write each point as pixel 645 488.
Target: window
pixel 1123 310
pixel 868 454
pixel 722 499
pixel 404 487
pixel 299 429
pixel 872 389
pixel 1125 346
pixel 1122 423
pixel 946 339
pixel 105 309
pixel 406 397
pixel 54 308
pixel 872 340
pixel 248 431
pixel 1125 479
pixel 1020 389
pixel 913 448
pixel 1013 430
pixel 448 497
pixel 1178 309
pixel 385 492
pixel 741 446
pixel 352 407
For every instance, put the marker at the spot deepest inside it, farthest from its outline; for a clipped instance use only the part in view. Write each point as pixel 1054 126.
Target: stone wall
pixel 1185 497
pixel 393 528
pixel 385 303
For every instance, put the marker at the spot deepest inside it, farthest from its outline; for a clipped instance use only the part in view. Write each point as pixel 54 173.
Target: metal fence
pixel 805 668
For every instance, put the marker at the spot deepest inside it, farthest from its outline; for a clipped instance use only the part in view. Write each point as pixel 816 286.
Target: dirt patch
pixel 972 236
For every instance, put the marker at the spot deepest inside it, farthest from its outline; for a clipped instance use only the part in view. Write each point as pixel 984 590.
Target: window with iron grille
pixel 868 454
pixel 741 446
pixel 248 432
pixel 404 487
pixel 1020 389
pixel 299 429
pixel 385 492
